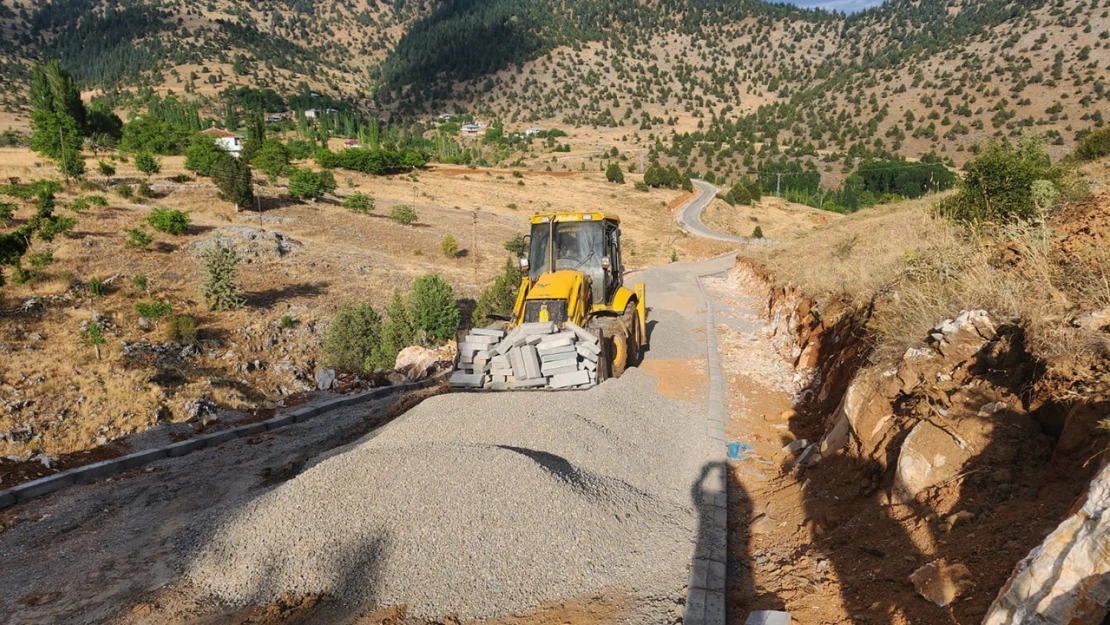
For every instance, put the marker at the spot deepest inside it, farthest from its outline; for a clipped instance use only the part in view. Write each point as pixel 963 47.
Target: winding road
pixel 689 218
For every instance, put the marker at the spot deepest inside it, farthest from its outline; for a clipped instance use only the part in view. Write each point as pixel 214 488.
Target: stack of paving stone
pixel 530 356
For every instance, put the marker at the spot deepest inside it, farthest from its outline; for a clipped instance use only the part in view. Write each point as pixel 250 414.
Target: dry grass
pixel 337 257
pixel 918 270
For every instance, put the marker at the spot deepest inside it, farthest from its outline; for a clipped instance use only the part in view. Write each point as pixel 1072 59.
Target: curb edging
pixel 84 474
pixel 705 595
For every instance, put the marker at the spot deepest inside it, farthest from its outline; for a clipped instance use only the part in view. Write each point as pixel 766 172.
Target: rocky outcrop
pixel 1065 580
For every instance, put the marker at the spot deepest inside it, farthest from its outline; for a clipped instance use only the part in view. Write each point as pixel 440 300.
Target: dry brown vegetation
pixel 328 257
pixel 917 269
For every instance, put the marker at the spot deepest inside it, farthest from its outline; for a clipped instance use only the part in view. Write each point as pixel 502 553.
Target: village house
pixel 229 141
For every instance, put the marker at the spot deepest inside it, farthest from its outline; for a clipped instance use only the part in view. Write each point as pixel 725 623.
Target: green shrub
pixel 997 186
pixel 7 211
pixel 147 164
pixel 219 265
pixel 449 247
pixel 54 227
pixel 93 337
pixel 143 190
pixel 181 329
pixel 41 260
pixel 397 333
pixel 757 233
pixel 641 186
pixel 125 191
pixel 286 322
pixel 515 245
pixel 306 184
pixel 403 214
pixel 351 339
pixel 435 313
pixel 140 282
pixel 106 169
pixel 169 221
pixel 1094 145
pixel 96 287
pixel 614 173
pixel 272 158
pixel 500 297
pixel 203 155
pixel 137 238
pixel 96 200
pixel 153 310
pixel 358 202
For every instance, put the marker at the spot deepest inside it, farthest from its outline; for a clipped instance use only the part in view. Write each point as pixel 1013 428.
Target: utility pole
pixel 778 185
pixel 641 162
pixel 475 245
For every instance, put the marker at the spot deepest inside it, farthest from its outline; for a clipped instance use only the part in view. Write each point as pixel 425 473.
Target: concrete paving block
pixel 504 372
pixel 554 371
pixel 538 327
pixel 467 380
pixel 716 578
pixel 534 340
pixel 488 332
pixel 589 366
pixel 280 422
pixel 580 332
pixel 218 438
pixel 557 353
pixel 143 458
pixel 586 352
pixel 528 383
pixel 517 360
pixel 695 606
pixel 485 341
pixel 43 486
pixel 98 470
pixel 574 378
pixel 699 573
pixel 305 413
pixel 499 386
pixel 768 617
pixel 471 348
pixel 7 499
pixel 500 361
pixel 250 429
pixel 184 447
pixel 547 346
pixel 715 607
pixel 531 360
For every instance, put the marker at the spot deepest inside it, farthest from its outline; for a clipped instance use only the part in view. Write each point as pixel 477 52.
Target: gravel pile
pixel 479 506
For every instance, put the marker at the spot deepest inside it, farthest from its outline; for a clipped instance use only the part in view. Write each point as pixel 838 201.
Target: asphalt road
pixel 689 218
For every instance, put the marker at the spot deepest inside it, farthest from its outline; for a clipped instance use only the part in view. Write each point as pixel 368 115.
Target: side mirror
pixel 523 264
pixel 606 263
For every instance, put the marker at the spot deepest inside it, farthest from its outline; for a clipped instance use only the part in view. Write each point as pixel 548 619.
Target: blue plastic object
pixel 739 451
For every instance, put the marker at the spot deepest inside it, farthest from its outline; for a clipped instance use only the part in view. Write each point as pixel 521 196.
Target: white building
pixel 229 141
pixel 531 132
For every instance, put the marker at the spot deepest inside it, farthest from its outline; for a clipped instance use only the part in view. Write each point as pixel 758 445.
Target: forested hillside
pixel 715 85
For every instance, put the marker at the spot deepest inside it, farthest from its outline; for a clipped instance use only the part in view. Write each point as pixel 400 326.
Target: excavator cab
pixel 574 272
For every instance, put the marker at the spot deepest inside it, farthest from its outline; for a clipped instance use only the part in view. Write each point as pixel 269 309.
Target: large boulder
pixel 930 456
pixel 1066 579
pixel 418 363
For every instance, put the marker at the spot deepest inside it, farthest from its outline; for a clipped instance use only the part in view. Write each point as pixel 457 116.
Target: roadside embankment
pixel 949 394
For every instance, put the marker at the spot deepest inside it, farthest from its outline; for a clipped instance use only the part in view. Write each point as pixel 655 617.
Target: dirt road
pixel 114 551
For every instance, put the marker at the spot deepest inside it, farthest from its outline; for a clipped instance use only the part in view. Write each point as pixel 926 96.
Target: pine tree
pixel 58 118
pixel 233 178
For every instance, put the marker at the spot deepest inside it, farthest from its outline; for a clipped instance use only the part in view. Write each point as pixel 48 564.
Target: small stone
pixel 958 519
pixel 942 583
pixel 325 379
pixel 145 324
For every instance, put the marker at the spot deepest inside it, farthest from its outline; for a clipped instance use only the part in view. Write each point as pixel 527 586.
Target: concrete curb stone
pixel 90 472
pixel 705 594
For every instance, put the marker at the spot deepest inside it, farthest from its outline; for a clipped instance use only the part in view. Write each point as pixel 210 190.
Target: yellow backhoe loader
pixel 574 324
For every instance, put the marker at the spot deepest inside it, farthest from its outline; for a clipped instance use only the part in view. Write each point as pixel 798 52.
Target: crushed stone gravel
pixel 477 505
